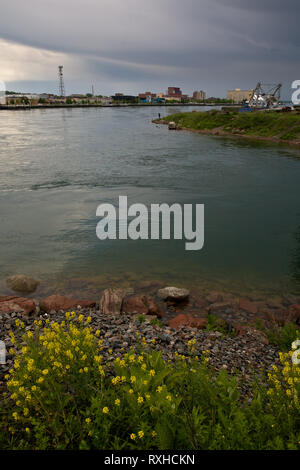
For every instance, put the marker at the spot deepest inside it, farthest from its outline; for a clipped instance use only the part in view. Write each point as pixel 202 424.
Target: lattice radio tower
pixel 62 92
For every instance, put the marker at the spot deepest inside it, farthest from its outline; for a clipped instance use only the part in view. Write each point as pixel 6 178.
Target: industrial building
pixel 239 96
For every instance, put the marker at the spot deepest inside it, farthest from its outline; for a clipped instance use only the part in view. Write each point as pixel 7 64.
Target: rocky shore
pixel 171 316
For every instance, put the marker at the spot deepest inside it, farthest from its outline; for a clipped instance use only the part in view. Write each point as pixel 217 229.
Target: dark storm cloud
pixel 227 43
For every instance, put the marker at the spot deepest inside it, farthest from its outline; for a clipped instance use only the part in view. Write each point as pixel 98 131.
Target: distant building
pixel 174 92
pixel 105 100
pixel 22 99
pixel 120 98
pixel 147 97
pixel 238 95
pixel 199 95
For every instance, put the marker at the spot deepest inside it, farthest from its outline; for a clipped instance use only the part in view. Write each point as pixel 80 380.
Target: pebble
pixel 242 354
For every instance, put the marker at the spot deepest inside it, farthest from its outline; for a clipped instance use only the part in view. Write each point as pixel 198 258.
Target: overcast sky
pixel 137 45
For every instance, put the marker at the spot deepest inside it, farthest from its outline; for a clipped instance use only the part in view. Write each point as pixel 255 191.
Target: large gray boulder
pixel 173 293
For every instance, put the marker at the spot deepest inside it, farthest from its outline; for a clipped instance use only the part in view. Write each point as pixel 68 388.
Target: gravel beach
pixel 243 355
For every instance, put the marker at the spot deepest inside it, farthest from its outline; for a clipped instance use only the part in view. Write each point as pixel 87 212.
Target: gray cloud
pixel 212 44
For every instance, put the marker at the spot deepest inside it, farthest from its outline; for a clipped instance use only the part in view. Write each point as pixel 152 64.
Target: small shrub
pixel 141 318
pixel 284 336
pixel 215 323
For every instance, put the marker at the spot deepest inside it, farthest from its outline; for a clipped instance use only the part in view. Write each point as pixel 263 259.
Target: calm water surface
pixel 57 166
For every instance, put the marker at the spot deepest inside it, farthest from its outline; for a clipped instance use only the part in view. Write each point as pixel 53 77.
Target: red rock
pixel 141 305
pixel 59 302
pixel 8 304
pixel 293 314
pixel 196 299
pixel 248 331
pixel 248 306
pixel 275 317
pixel 184 320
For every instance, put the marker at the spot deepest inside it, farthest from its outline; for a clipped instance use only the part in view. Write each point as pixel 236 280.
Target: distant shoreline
pixel 71 106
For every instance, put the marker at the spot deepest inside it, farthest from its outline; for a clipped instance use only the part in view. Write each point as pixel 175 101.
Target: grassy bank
pixel 271 125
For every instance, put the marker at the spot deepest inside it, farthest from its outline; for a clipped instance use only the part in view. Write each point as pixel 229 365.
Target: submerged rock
pixel 220 307
pixel 22 283
pixel 293 314
pixel 248 306
pixel 173 293
pixel 214 297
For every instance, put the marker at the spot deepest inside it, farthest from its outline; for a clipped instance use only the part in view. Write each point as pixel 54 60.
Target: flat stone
pixel 173 293
pixel 11 303
pixel 59 302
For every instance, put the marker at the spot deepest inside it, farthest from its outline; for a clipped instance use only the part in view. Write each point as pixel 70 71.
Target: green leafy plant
pixel 62 394
pixel 283 336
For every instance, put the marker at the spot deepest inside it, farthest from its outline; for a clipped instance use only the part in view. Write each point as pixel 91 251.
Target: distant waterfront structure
pixel 62 92
pixel 174 92
pixel 149 97
pixel 238 95
pixel 121 98
pixel 199 95
pixel 21 99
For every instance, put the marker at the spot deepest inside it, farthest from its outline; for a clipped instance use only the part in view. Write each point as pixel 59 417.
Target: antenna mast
pixel 62 92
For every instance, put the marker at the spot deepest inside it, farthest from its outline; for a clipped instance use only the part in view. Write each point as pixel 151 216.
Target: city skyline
pixel 214 45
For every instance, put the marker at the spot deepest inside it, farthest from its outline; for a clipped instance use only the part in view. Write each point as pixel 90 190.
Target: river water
pixel 57 166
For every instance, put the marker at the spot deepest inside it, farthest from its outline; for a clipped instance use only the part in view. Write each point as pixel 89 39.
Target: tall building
pixel 174 92
pixel 238 95
pixel 199 95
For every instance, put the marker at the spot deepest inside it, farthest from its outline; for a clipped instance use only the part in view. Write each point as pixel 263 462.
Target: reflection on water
pixel 57 166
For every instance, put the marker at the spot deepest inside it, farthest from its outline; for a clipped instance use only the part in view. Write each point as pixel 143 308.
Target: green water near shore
pixel 57 167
